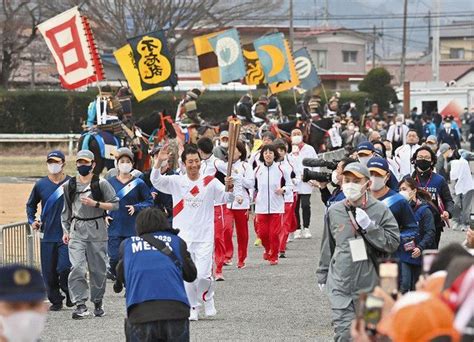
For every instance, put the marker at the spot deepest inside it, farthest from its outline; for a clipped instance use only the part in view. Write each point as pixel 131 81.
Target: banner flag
pixel 306 70
pixel 273 57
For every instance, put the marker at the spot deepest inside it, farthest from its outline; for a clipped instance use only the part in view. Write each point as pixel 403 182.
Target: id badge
pixel 358 251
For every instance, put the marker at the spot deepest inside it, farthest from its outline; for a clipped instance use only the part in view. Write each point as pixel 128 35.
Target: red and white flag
pixel 70 40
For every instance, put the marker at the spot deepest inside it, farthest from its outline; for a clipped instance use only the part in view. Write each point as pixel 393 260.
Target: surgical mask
pixel 24 326
pixel 296 139
pixel 364 160
pixel 54 168
pixel 423 165
pixel 406 195
pixel 398 123
pixel 377 183
pixel 447 126
pixel 334 179
pixel 225 144
pixel 84 170
pixel 353 191
pixel 125 167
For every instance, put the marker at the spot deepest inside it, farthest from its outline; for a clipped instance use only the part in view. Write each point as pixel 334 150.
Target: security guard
pixel 86 198
pixel 55 263
pixel 22 308
pixel 153 266
pixel 357 231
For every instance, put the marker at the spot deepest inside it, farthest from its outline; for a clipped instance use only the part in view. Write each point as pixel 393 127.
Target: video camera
pixel 323 177
pixel 317 162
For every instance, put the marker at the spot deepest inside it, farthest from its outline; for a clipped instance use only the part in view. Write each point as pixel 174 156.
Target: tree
pixel 115 21
pixel 18 20
pixel 377 84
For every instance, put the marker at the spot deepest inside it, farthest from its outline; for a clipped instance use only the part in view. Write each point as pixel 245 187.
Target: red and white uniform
pixel 300 152
pixel 269 206
pixel 237 212
pixel 193 215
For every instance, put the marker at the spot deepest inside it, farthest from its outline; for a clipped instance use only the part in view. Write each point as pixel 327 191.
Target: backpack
pixel 95 189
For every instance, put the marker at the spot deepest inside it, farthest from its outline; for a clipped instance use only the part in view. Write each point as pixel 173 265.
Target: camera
pixel 317 162
pixel 323 177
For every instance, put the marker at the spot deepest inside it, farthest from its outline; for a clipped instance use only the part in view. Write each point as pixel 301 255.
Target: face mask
pixel 364 160
pixel 296 140
pixel 356 129
pixel 423 165
pixel 350 127
pixel 54 168
pixel 352 191
pixel 334 179
pixel 84 170
pixel 447 126
pixel 25 326
pixel 377 183
pixel 406 195
pixel 125 168
pixel 398 123
pixel 225 144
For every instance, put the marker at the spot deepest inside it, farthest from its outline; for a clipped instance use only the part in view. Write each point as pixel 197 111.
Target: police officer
pixel 22 308
pixel 55 263
pixel 86 198
pixel 153 266
pixel 357 231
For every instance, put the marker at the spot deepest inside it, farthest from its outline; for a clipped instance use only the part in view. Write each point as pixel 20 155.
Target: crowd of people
pixel 166 234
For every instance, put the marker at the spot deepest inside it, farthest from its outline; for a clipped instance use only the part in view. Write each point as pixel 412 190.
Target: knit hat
pixel 419 316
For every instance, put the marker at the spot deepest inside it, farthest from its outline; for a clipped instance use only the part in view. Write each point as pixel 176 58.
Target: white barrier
pixel 70 138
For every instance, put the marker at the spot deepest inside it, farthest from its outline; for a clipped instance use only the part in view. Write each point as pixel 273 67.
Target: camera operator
pixel 337 194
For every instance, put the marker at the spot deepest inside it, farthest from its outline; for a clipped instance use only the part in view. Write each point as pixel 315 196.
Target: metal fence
pixel 70 138
pixel 19 244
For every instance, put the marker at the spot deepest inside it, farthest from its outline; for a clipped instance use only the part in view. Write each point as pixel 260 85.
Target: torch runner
pixel 234 133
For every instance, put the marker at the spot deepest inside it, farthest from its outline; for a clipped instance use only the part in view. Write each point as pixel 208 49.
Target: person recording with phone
pixel 357 232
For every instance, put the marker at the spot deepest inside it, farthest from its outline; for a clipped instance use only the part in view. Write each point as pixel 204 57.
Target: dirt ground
pixel 13 199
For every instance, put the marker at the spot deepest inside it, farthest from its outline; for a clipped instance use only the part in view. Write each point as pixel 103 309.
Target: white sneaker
pixel 464 227
pixel 209 308
pixel 291 237
pixel 306 234
pixel 194 314
pixel 297 234
pixel 454 225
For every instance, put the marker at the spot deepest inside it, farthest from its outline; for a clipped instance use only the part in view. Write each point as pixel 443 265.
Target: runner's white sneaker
pixel 209 308
pixel 291 237
pixel 194 314
pixel 297 234
pixel 306 234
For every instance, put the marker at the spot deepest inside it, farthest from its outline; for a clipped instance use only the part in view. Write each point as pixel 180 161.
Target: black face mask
pixel 423 165
pixel 84 170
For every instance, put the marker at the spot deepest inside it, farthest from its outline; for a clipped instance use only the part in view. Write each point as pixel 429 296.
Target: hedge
pixel 64 112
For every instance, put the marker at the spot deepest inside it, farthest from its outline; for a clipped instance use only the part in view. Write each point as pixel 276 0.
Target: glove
pixel 362 218
pixel 321 287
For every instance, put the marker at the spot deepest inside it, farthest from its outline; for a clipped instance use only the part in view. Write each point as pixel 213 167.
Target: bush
pixel 377 84
pixel 65 111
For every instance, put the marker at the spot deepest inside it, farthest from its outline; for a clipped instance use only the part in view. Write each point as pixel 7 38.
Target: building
pixel 456 42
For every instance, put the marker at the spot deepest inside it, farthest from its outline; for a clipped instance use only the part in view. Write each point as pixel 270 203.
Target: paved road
pixel 259 303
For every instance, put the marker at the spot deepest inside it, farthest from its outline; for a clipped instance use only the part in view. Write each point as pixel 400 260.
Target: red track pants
pixel 269 227
pixel 288 224
pixel 241 218
pixel 219 247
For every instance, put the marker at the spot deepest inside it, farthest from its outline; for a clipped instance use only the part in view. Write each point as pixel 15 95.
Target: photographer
pixel 337 194
pixel 357 231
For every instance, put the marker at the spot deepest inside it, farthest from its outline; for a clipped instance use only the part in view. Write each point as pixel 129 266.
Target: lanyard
pixel 425 187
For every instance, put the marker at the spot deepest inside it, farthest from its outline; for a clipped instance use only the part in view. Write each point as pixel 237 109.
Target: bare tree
pixel 18 20
pixel 116 20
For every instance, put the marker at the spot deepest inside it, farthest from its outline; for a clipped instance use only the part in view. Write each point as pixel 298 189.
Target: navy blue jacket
pixel 452 139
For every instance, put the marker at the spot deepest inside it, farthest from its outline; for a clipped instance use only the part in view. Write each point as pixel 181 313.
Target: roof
pixel 457 29
pixel 423 73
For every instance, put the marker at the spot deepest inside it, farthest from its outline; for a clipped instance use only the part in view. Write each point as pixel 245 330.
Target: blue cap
pixel 379 165
pixel 19 283
pixel 365 146
pixel 56 155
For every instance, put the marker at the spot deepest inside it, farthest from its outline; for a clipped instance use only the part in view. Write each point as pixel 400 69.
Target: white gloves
pixel 362 218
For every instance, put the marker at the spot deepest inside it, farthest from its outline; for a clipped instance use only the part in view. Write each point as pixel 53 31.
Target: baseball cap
pixel 378 165
pixel 56 155
pixel 443 148
pixel 357 169
pixel 432 139
pixel 419 316
pixel 224 134
pixel 85 155
pixel 19 283
pixel 123 151
pixel 365 147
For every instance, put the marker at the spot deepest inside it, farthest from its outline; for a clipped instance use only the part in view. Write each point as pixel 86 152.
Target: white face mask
pixel 224 144
pixel 405 194
pixel 364 160
pixel 24 326
pixel 447 126
pixel 125 167
pixel 334 179
pixel 54 168
pixel 398 123
pixel 353 191
pixel 296 139
pixel 377 183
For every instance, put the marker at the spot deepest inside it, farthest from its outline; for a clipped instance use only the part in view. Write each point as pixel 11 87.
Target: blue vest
pixel 150 274
pixel 433 185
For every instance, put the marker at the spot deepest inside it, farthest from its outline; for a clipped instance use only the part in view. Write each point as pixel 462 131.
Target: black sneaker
pixel 110 276
pixel 282 255
pixel 69 303
pixel 80 312
pixel 56 307
pixel 99 309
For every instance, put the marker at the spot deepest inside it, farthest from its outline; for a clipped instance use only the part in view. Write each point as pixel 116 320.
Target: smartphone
pixel 373 311
pixel 360 309
pixel 388 272
pixel 428 256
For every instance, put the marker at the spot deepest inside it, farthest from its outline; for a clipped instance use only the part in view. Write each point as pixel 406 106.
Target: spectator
pixel 337 195
pixel 404 153
pixel 351 136
pixel 464 192
pixel 397 132
pixel 444 154
pixel 429 128
pixel 449 135
pixel 221 151
pixel 157 305
pixel 432 143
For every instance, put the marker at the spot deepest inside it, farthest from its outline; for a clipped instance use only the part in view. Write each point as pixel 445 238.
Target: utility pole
pixel 429 32
pixel 404 42
pixel 374 32
pixel 291 26
pixel 326 13
pixel 435 54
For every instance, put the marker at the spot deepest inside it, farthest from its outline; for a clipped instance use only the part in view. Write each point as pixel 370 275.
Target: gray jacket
pixel 90 230
pixel 346 279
